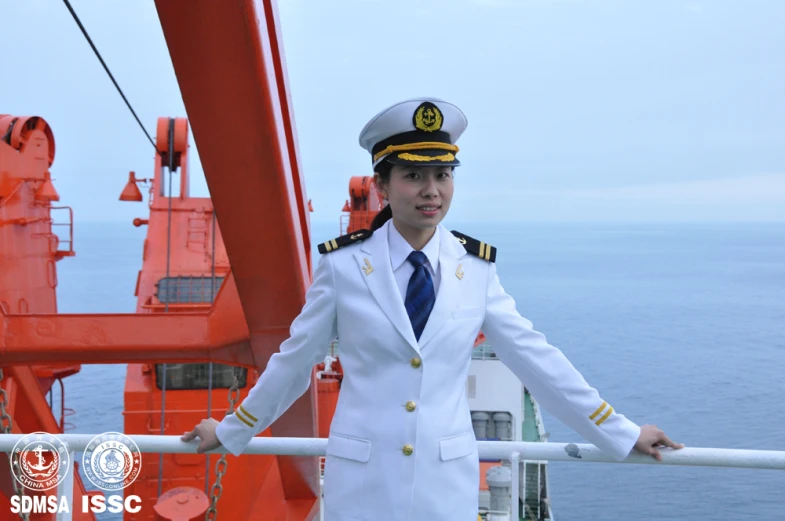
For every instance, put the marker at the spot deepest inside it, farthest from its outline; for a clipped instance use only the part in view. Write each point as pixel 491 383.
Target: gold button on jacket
pixel 416 362
pixel 408 449
pixel 410 406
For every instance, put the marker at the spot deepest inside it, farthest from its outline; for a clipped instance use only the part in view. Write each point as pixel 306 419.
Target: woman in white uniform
pixel 406 300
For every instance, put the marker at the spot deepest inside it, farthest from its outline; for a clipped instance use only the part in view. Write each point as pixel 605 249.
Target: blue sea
pixel 679 325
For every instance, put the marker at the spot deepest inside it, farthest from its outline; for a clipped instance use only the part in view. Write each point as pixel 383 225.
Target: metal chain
pixel 6 423
pixel 220 466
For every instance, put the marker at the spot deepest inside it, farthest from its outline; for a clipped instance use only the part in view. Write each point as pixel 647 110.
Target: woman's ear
pixel 377 180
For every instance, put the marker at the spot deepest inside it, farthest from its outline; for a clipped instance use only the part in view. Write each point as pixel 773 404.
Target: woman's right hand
pixel 205 431
pixel 651 439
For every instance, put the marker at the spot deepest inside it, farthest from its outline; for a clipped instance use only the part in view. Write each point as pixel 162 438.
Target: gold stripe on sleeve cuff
pixel 242 419
pixel 604 417
pixel 251 416
pixel 598 411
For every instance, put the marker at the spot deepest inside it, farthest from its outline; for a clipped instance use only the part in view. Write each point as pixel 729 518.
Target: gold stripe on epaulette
pixel 598 411
pixel 488 252
pixel 604 417
pixel 335 244
pixel 482 250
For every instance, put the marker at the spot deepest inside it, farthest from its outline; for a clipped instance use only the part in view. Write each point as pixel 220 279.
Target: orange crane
pixel 229 65
pixel 222 278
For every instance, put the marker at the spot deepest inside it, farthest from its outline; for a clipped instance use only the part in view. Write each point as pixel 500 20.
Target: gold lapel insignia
pixel 367 268
pixel 459 272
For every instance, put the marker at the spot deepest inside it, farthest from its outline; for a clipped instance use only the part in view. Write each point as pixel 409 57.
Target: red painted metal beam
pixel 116 339
pixel 224 62
pixel 31 413
pixel 220 335
pixel 227 60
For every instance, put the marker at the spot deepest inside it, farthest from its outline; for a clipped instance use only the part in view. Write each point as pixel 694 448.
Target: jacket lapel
pixel 450 251
pixel 381 282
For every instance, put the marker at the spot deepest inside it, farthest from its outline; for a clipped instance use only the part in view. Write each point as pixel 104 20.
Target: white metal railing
pixel 513 451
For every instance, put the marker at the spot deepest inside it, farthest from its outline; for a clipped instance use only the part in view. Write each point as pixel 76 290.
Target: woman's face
pixel 419 196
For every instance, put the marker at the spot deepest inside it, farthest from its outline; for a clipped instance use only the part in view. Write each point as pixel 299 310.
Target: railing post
pixel 539 489
pixel 66 488
pixel 515 459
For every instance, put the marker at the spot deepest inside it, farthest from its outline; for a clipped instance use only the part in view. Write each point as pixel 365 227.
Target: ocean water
pixel 679 325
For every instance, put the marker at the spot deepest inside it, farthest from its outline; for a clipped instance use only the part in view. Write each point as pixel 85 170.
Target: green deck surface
pixel 530 432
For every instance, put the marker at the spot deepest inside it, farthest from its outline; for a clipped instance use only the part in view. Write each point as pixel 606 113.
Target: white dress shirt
pixel 402 268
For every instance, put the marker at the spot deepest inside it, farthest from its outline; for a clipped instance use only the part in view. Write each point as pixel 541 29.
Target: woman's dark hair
pixel 383 169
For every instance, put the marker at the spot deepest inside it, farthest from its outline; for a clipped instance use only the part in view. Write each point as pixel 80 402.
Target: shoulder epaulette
pixel 344 240
pixel 481 249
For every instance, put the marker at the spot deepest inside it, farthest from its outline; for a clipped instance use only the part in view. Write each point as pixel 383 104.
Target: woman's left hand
pixel 652 438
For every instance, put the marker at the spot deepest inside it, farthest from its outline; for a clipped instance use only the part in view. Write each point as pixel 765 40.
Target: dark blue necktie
pixel 420 296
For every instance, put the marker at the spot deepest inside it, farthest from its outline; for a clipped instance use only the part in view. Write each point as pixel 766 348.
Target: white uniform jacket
pixel 386 461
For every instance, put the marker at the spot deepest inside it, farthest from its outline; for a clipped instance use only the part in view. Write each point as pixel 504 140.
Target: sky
pixel 579 110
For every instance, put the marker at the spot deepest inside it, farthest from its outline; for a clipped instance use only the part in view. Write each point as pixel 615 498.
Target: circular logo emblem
pixel 428 117
pixel 43 461
pixel 111 461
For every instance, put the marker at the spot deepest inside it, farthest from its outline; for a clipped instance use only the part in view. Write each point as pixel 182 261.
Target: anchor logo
pixel 428 117
pixel 367 268
pixel 40 461
pixel 41 469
